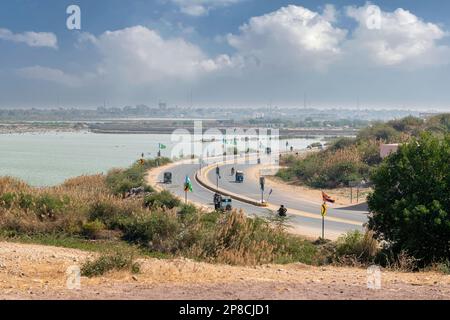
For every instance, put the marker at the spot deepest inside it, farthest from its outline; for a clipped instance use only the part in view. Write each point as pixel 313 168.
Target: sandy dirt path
pixel 39 272
pixel 342 195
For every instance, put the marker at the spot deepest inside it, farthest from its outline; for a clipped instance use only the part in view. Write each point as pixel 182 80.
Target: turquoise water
pixel 50 158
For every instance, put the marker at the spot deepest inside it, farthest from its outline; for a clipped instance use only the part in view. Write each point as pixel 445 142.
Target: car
pixel 167 177
pixel 239 176
pixel 226 204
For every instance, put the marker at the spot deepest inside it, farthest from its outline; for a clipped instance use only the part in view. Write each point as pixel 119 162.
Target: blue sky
pixel 227 52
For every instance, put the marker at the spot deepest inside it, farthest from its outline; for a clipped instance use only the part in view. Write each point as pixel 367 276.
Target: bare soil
pixel 39 272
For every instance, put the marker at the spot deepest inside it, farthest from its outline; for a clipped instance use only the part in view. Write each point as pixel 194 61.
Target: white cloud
pixel 276 56
pixel 401 38
pixel 202 7
pixel 292 36
pixel 139 55
pixel 32 39
pixel 49 74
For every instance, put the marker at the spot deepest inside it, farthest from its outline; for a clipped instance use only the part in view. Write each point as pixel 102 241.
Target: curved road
pixel 250 188
pixel 308 226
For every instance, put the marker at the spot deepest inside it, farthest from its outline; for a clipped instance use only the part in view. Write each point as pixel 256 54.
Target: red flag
pixel 327 198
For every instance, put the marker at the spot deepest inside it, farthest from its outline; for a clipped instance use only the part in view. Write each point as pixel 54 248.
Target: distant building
pixel 162 106
pixel 388 149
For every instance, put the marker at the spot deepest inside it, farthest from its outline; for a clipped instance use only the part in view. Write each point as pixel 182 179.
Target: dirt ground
pixel 39 272
pixel 341 195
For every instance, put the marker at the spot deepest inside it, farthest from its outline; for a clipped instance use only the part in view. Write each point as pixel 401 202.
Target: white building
pixel 388 149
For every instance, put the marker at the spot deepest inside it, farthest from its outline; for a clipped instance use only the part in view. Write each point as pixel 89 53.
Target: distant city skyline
pixel 226 53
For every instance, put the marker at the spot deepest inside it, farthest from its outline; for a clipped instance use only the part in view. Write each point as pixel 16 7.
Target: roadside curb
pixel 199 178
pixel 224 192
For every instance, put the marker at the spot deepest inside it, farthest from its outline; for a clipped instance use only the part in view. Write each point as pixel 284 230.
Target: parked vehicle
pixel 167 177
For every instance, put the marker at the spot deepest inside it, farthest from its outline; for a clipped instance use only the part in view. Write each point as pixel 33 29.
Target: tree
pixel 410 204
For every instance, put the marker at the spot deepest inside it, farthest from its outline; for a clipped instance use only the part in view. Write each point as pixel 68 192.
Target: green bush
pixel 342 143
pixel 44 205
pixel 47 205
pixel 109 213
pixel 92 229
pixel 7 200
pixel 157 230
pixel 108 262
pixel 410 204
pixel 187 210
pixel 362 248
pixel 164 198
pixel 444 267
pixel 121 181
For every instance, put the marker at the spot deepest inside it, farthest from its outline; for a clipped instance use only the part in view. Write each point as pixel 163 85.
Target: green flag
pixel 188 184
pixel 162 146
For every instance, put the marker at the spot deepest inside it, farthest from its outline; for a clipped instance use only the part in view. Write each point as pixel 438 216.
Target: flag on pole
pixel 188 184
pixel 327 198
pixel 162 146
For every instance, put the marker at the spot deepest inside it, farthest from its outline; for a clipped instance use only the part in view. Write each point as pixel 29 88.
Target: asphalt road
pixel 203 196
pixel 251 188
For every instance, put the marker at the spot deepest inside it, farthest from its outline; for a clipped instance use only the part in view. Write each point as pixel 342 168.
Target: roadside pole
pixel 262 182
pixel 217 177
pixel 324 213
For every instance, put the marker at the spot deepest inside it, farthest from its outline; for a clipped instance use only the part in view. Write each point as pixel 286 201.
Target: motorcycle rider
pixel 282 212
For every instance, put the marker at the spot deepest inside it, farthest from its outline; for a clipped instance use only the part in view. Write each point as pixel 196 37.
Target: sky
pixel 226 53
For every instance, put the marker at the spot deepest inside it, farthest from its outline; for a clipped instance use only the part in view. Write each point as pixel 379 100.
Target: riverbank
pixel 41 127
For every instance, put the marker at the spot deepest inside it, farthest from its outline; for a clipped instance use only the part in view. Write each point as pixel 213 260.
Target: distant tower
pixel 162 106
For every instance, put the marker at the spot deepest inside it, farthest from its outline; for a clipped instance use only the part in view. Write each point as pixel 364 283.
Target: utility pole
pixel 262 182
pixel 324 209
pixel 217 177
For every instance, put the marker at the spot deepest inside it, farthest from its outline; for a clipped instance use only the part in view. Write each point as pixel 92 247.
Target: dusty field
pixel 39 272
pixel 341 195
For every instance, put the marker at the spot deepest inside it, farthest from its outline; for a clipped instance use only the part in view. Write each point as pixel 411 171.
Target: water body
pixel 47 159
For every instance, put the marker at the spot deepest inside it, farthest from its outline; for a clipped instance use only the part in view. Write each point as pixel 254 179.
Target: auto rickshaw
pixel 226 204
pixel 239 176
pixel 167 177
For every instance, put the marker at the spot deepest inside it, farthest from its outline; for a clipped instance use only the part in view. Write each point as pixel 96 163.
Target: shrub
pixel 361 248
pixel 108 262
pixel 7 199
pixel 410 203
pixel 92 229
pixel 156 230
pixel 164 198
pixel 187 210
pixel 111 212
pixel 239 240
pixel 121 181
pixel 46 206
pixel 444 267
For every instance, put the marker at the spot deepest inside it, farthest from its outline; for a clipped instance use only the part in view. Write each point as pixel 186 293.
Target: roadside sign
pixel 324 210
